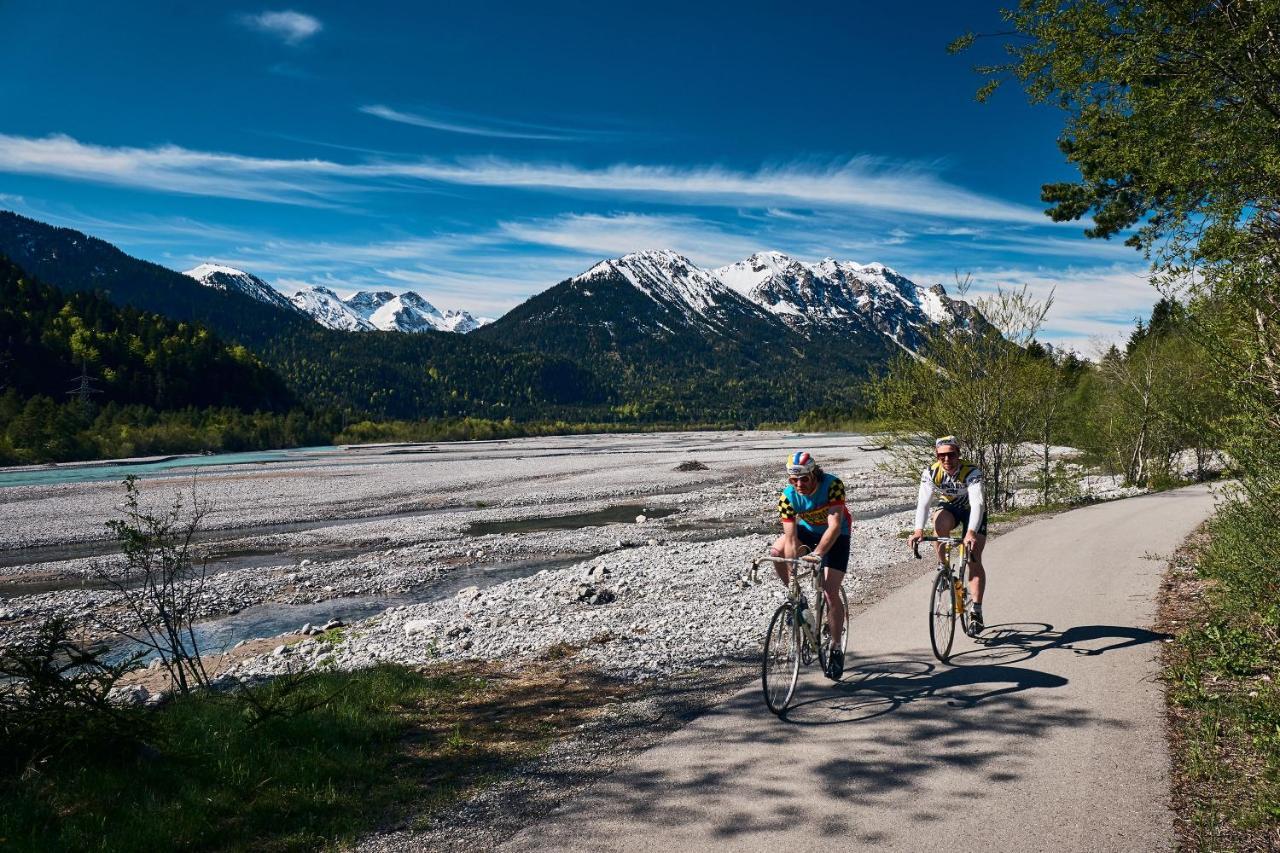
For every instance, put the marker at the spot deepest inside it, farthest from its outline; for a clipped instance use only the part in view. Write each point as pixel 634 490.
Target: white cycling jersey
pixel 965 486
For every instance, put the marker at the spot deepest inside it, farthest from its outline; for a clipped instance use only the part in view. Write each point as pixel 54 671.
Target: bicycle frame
pixel 955 572
pixel 800 567
pixel 792 642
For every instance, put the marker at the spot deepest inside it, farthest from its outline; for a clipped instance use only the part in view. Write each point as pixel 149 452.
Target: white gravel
pixel 391 523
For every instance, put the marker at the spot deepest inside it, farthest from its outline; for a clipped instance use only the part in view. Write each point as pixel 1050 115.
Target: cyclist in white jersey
pixel 958 487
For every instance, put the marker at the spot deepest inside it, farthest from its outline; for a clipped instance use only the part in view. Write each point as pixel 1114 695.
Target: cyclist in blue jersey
pixel 813 515
pixel 958 486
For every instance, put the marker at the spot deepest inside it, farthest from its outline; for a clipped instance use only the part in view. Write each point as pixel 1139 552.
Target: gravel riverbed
pixel 618 544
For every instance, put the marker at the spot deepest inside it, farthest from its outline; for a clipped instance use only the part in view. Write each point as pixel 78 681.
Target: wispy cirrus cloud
pixel 170 168
pixel 610 235
pixel 864 182
pixel 1092 306
pixel 289 26
pixel 859 183
pixel 472 125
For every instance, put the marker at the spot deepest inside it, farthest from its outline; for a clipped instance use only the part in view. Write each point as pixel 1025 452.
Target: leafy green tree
pixel 1172 114
pixel 976 383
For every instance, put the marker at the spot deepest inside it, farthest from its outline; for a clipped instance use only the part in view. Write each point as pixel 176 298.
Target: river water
pixel 88 472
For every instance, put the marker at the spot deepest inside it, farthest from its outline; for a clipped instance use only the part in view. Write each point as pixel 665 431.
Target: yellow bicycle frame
pixel 957 583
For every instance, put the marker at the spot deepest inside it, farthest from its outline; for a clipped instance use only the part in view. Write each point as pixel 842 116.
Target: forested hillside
pixel 48 338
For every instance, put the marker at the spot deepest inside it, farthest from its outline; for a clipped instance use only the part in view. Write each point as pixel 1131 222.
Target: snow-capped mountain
pixel 229 278
pixel 686 294
pixel 663 276
pixel 409 312
pixel 657 320
pixel 845 297
pixel 365 302
pixel 328 309
pixel 657 314
pixel 462 322
pixel 361 312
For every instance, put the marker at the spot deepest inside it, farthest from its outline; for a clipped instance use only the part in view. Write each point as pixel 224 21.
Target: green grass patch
pixel 353 752
pixel 1223 697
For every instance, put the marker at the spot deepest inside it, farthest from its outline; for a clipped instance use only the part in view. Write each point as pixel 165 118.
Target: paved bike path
pixel 1047 738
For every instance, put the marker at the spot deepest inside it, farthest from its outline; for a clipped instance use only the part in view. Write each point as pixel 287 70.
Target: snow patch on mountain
pixel 328 309
pixel 226 278
pixel 665 277
pixel 843 296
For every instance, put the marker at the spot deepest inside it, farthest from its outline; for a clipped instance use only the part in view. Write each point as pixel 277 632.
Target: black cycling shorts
pixel 837 559
pixel 960 512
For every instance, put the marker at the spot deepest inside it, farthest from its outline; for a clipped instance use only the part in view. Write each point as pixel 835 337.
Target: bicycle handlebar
pixel 810 564
pixel 808 559
pixel 915 546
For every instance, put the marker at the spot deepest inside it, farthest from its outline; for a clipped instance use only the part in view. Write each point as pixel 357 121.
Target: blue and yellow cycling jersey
pixel 811 511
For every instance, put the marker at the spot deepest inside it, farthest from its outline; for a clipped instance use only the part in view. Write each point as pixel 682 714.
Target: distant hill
pixel 645 337
pixel 383 374
pixel 680 343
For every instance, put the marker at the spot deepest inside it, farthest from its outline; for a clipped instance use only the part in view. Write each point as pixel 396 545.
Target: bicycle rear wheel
pixel 781 665
pixel 824 638
pixel 942 617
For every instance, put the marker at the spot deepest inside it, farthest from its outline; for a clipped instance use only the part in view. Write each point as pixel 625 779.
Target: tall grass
pixel 212 777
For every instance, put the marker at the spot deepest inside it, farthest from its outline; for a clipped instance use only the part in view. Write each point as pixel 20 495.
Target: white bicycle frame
pixel 801 567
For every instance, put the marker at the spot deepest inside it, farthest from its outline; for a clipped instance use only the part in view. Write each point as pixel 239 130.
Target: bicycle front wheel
pixel 942 617
pixel 781 665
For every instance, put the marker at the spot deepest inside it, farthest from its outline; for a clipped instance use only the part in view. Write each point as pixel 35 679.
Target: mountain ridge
pixel 363 311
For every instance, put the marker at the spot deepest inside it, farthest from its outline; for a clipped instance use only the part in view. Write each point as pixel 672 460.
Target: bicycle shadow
pixel 1015 642
pixel 877 687
pixel 872 688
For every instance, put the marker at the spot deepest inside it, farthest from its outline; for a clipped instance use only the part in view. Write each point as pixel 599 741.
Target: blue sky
pixel 479 153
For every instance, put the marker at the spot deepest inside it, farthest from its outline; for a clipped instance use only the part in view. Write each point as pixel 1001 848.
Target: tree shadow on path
pixel 868 760
pixel 875 759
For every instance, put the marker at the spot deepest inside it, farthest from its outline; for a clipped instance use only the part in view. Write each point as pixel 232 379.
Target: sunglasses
pixel 803 478
pixel 951 454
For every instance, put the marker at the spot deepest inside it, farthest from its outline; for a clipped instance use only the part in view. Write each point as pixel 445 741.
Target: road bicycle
pixel 798 633
pixel 949 595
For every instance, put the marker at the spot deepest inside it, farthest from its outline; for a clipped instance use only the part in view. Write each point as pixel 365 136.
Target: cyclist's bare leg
pixel 789 547
pixel 831 581
pixel 943 523
pixel 977 573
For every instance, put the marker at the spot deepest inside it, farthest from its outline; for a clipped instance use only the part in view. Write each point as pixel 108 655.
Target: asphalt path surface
pixel 1047 735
